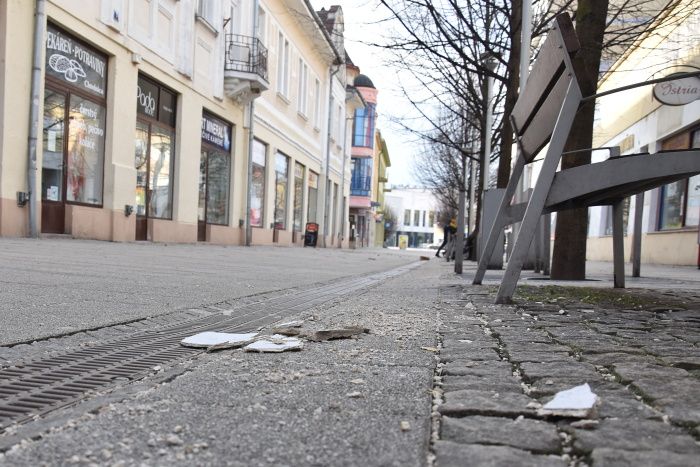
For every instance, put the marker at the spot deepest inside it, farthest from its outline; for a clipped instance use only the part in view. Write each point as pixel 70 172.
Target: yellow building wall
pixel 278 122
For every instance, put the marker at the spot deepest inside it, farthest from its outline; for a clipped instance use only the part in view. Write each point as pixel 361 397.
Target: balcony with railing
pixel 245 68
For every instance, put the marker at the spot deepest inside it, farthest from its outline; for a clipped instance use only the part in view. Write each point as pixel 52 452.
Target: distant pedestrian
pixel 449 230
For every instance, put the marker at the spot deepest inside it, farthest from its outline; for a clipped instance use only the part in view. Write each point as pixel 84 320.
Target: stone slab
pixel 642 435
pixel 489 403
pixel 532 435
pixel 449 454
pixel 606 457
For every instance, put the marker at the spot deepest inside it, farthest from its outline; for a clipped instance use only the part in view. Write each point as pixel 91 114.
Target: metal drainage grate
pixel 40 386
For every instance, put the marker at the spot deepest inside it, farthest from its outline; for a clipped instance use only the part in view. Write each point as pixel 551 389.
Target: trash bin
pixel 311 234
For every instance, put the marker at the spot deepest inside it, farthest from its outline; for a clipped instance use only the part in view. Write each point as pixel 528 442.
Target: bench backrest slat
pixel 538 106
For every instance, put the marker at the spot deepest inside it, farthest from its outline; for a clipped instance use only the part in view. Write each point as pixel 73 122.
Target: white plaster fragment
pixel 277 343
pixel 579 402
pixel 211 339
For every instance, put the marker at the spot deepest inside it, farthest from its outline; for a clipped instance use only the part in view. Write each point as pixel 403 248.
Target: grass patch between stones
pixel 617 298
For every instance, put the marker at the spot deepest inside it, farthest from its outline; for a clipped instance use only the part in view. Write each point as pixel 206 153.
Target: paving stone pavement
pixel 499 363
pixel 445 378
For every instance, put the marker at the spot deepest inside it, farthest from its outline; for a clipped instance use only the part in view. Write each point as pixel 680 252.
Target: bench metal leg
pixel 637 237
pixel 499 222
pixel 618 244
pixel 539 195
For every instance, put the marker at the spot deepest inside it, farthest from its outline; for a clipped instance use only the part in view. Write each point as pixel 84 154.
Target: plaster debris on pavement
pixel 218 340
pixel 577 402
pixel 420 369
pixel 275 343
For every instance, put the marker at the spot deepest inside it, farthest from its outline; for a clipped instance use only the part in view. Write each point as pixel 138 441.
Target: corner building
pixel 143 123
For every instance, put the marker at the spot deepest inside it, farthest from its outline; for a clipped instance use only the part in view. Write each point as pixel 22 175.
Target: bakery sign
pixel 678 91
pixel 74 63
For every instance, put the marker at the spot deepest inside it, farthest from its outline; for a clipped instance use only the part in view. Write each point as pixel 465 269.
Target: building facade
pixel 362 229
pixel 380 178
pixel 143 121
pixel 636 121
pixel 417 216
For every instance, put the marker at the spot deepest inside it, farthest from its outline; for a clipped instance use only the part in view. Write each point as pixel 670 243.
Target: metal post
pixel 637 237
pixel 546 253
pixel 490 63
pixel 459 241
pixel 472 195
pixel 618 245
pixel 525 38
pixel 39 30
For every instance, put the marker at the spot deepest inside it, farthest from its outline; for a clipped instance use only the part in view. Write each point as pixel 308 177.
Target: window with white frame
pixel 339 125
pixel 303 87
pixel 282 65
pixel 206 10
pixel 317 104
pixel 261 26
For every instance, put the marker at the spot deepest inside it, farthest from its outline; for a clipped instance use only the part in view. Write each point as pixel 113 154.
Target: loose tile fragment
pixel 218 340
pixel 577 402
pixel 277 343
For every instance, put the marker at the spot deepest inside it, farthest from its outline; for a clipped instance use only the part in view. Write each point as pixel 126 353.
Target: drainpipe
pixel 342 182
pixel 39 30
pixel 251 135
pixel 326 198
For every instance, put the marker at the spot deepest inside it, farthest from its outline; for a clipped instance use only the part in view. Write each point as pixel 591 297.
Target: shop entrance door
pixel 202 211
pixel 141 162
pixel 214 169
pixel 53 183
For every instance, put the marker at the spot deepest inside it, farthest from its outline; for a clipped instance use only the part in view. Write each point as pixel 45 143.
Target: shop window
pixel 74 127
pixel 257 196
pixel 154 149
pixel 281 184
pixel 679 202
pixel 363 126
pixel 335 206
pixel 313 197
pixel 214 172
pixel 298 195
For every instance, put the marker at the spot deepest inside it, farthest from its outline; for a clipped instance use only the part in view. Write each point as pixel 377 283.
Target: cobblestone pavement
pixel 499 363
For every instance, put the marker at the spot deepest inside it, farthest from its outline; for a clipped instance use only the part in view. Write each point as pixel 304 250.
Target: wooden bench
pixel 544 113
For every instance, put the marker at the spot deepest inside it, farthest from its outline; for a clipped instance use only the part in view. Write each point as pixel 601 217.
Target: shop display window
pixel 214 172
pixel 298 195
pixel 313 197
pixel 257 196
pixel 281 184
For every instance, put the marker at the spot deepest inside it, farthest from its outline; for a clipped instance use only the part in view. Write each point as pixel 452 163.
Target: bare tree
pixel 441 45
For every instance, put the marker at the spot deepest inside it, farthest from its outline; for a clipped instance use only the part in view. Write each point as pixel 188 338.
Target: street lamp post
pixel 489 61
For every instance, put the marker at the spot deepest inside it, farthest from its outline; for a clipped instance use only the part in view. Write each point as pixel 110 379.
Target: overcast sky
pixel 402 147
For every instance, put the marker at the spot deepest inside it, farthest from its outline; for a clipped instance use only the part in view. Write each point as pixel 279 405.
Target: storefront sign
pixel 147 98
pixel 155 101
pixel 74 63
pixel 678 92
pixel 216 132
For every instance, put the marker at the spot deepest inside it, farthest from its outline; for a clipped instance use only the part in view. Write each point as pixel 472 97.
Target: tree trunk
pixel 569 257
pixel 513 74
